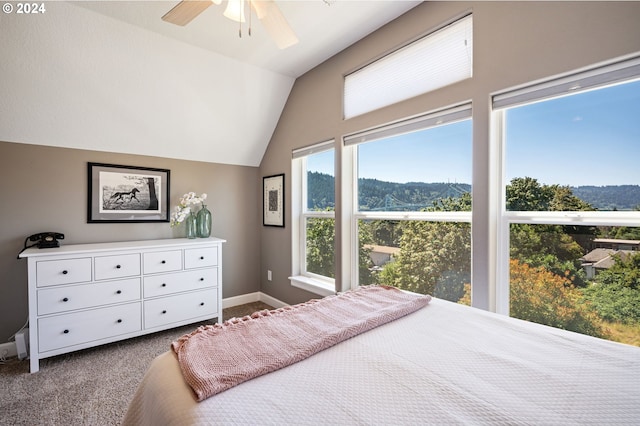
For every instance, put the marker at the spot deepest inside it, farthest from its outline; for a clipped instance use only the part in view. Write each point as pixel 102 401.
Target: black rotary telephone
pixel 44 240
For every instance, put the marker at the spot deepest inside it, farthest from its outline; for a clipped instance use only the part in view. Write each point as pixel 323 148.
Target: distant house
pixel 610 243
pixel 380 255
pixel 600 259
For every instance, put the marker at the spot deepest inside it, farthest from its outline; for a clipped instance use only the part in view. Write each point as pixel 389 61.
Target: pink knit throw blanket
pixel 217 357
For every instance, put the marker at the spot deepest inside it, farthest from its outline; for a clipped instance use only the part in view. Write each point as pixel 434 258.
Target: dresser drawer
pixel 200 257
pixel 181 307
pixel 67 298
pixel 65 271
pixel 87 326
pixel 162 261
pixel 117 266
pixel 160 285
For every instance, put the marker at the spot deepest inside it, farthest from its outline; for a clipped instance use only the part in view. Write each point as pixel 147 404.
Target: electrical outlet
pixel 269 276
pixel 9 348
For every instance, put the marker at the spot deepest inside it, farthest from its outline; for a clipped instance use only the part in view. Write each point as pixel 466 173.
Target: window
pixel 571 202
pixel 436 60
pixel 314 218
pixel 413 204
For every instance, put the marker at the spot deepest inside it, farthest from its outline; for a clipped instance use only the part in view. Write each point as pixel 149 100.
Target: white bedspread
pixel 445 364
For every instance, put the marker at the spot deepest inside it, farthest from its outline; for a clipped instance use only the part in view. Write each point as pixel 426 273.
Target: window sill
pixel 321 288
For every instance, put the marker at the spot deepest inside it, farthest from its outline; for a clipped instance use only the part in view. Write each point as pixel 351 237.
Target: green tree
pixel 526 194
pixel 365 239
pixel 550 247
pixel 435 257
pixel 563 199
pixel 321 246
pixel 543 297
pixel 620 233
pixel 554 247
pixel 615 293
pixel 386 232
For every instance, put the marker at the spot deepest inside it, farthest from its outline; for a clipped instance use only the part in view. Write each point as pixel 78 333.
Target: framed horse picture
pixel 127 194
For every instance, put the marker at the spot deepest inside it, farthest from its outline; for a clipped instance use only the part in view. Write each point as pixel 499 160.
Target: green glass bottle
pixel 190 224
pixel 204 222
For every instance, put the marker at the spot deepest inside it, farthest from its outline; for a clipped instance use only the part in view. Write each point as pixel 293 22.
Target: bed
pixel 445 363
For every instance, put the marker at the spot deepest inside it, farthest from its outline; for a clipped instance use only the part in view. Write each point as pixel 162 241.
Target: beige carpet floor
pixel 88 387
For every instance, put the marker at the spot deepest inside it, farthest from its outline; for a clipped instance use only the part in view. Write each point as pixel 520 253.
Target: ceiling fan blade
pixel 275 23
pixel 185 11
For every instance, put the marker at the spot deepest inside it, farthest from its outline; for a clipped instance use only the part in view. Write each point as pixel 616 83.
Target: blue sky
pixel 591 138
pixel 416 157
pixel 439 154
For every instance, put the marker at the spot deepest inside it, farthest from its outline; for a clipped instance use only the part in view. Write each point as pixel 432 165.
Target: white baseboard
pixel 11 348
pixel 272 301
pixel 252 297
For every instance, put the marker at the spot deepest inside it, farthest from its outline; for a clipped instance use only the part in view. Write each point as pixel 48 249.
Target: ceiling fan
pixel 267 12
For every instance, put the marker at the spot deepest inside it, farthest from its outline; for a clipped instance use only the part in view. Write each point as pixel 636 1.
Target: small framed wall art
pixel 127 194
pixel 273 200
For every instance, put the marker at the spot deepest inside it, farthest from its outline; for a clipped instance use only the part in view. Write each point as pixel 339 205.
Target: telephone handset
pixel 47 239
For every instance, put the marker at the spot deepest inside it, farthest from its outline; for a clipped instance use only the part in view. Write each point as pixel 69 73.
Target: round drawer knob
pixel 163 262
pixel 119 292
pixel 65 272
pixel 66 299
pixel 118 266
pixel 119 321
pixel 201 303
pixel 201 257
pixel 201 279
pixel 164 284
pixel 66 332
pixel 164 312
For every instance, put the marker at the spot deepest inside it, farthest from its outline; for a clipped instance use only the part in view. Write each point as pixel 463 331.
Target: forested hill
pixel 390 196
pixel 611 197
pixel 385 196
pixel 380 195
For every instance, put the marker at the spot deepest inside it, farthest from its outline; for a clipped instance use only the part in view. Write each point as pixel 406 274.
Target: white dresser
pixel 86 295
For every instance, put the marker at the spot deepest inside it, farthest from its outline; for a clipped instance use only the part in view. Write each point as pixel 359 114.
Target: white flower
pixel 184 208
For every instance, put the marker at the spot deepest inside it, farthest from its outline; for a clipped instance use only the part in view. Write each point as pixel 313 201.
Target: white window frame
pixel 619 71
pixel 350 192
pixel 300 277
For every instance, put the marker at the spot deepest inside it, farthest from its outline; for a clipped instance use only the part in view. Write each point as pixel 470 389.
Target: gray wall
pixel 514 43
pixel 45 189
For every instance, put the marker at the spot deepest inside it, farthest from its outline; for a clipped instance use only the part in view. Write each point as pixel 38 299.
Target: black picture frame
pixel 273 200
pixel 133 194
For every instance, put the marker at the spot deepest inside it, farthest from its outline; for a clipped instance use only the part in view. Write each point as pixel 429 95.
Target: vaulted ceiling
pixel 145 86
pixel 323 27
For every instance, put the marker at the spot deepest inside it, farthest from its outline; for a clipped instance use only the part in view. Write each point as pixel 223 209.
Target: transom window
pixel 441 58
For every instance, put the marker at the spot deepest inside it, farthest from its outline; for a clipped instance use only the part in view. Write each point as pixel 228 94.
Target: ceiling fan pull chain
pixel 250 18
pixel 241 5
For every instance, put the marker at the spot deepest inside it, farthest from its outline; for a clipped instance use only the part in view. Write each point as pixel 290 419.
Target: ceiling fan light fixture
pixel 235 10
